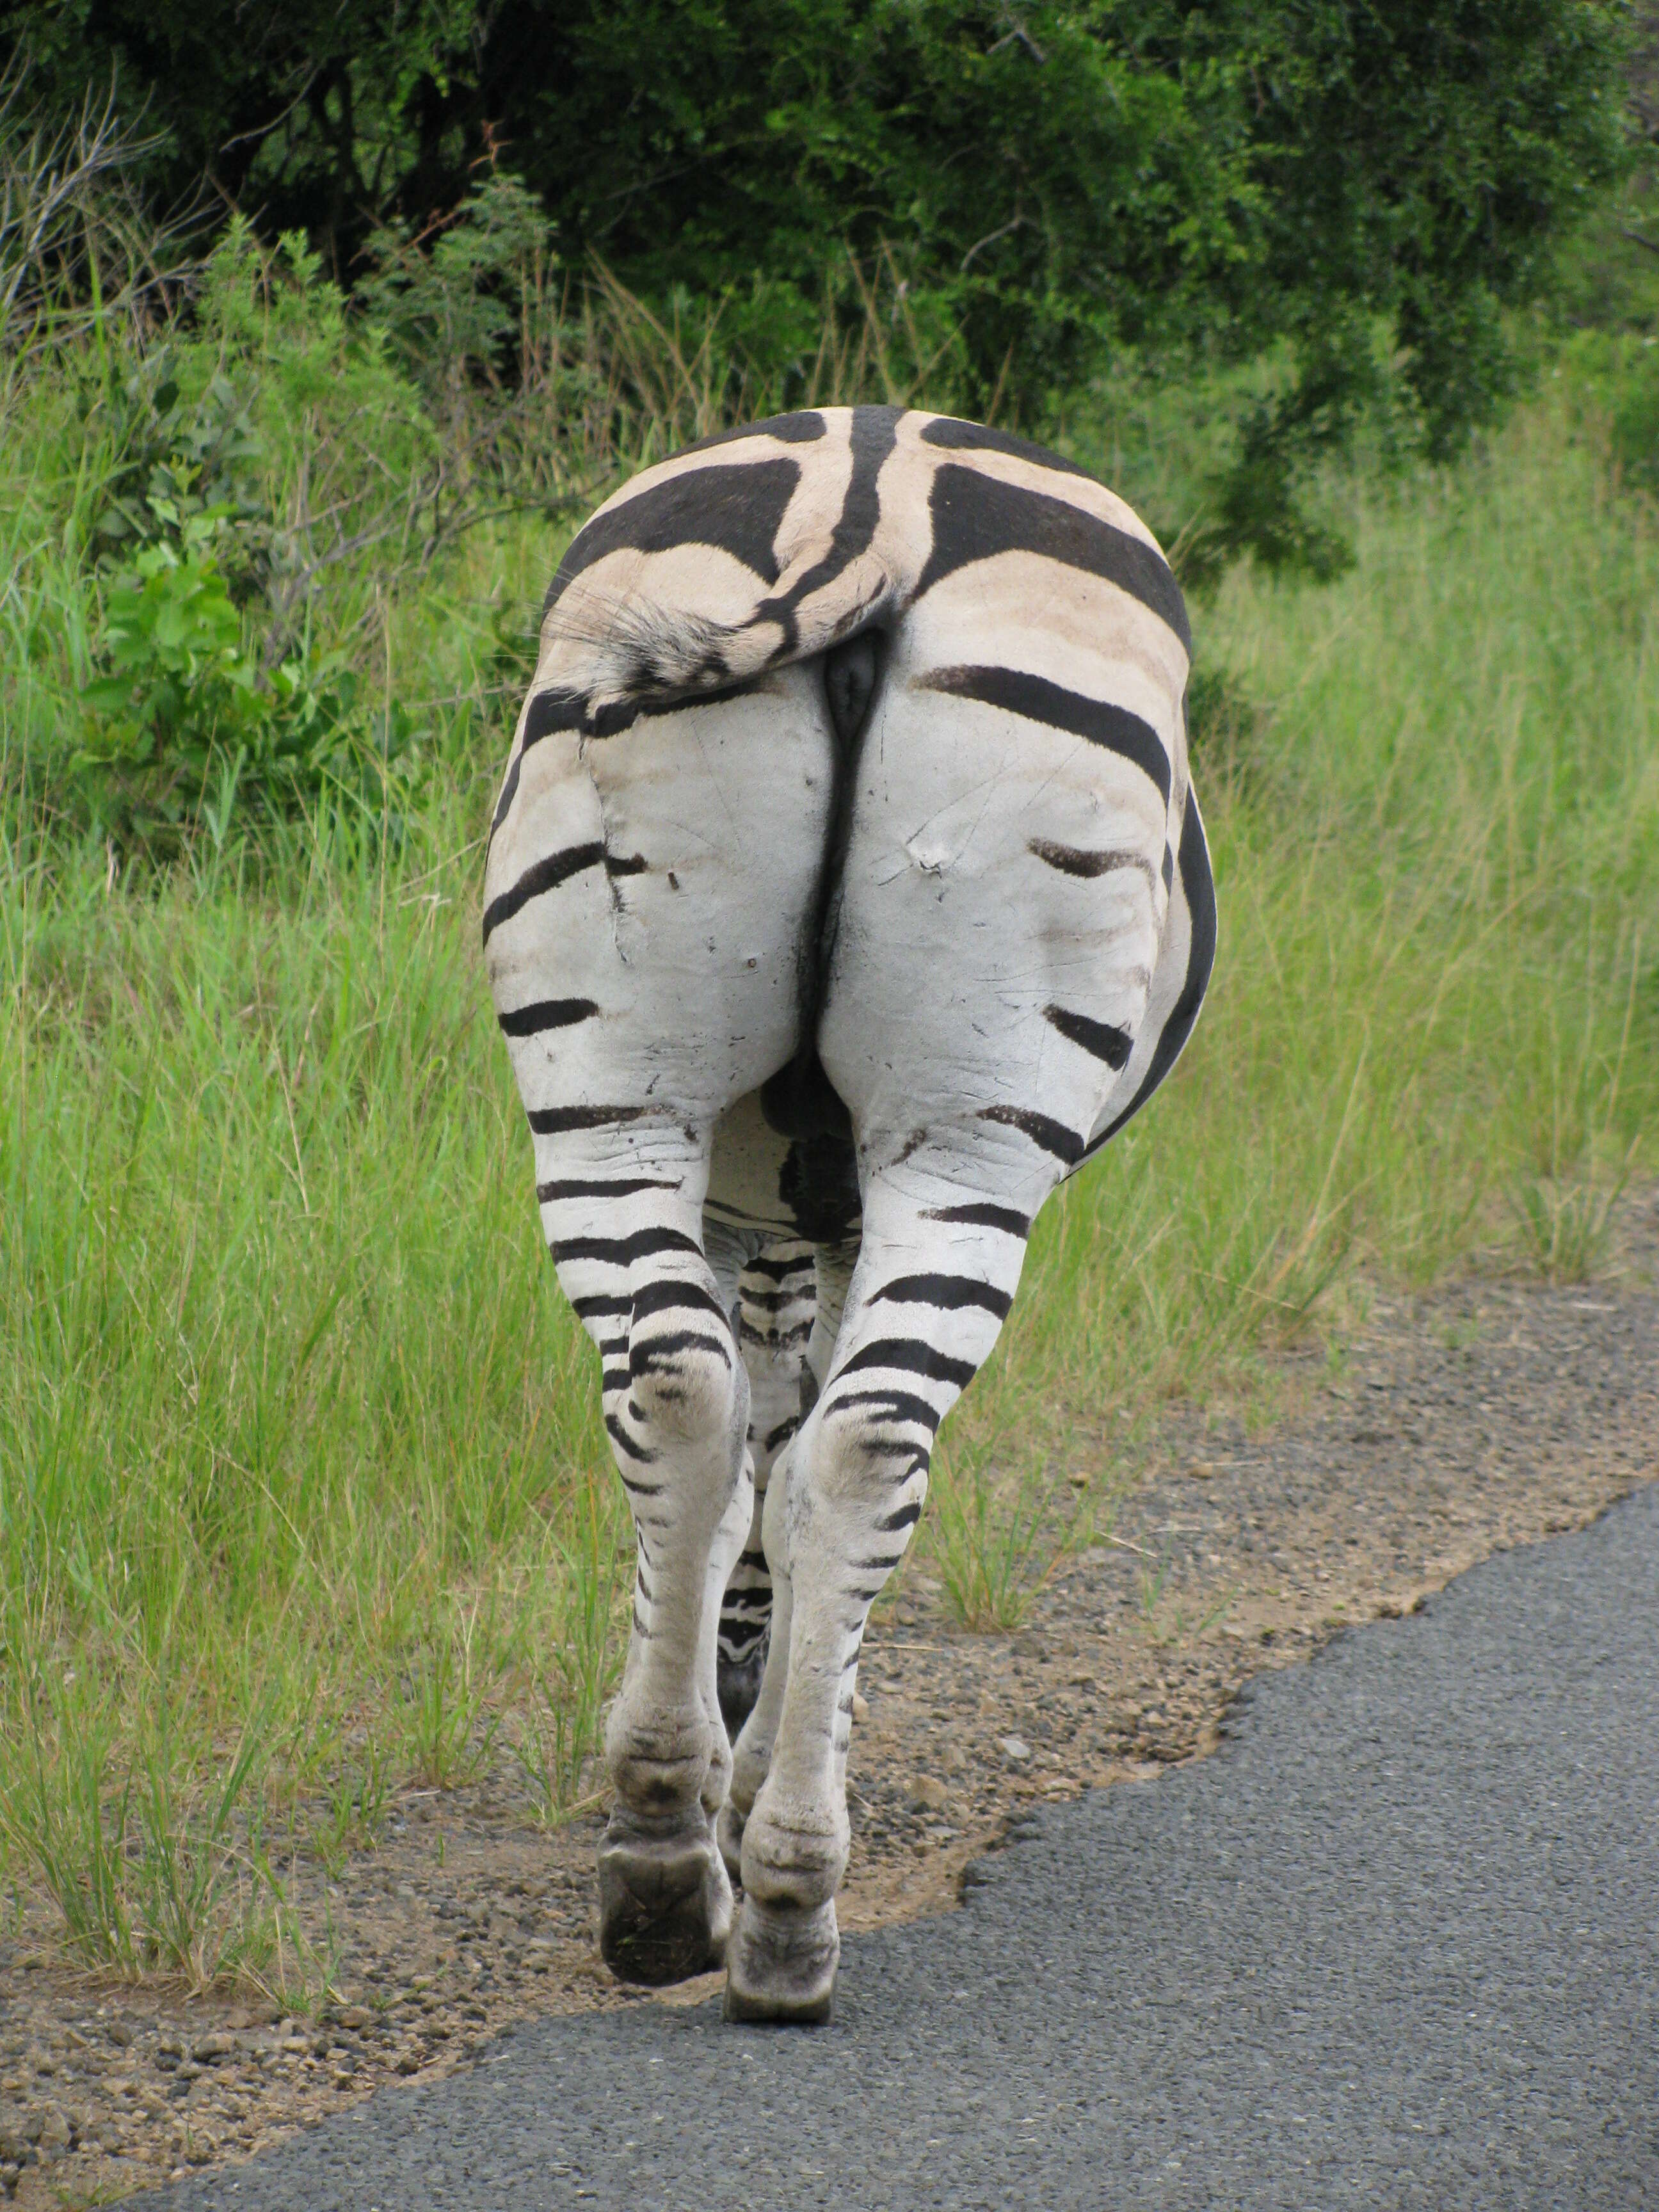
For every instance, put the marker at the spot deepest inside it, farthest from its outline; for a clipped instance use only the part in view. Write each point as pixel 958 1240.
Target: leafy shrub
pixel 260 475
pixel 179 458
pixel 1039 184
pixel 179 724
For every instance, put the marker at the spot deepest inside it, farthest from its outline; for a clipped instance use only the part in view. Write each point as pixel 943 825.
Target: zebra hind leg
pixel 776 1301
pixel 751 1752
pixel 940 1258
pixel 676 1401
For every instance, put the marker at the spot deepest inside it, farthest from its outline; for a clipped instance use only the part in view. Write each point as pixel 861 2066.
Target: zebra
pixel 846 892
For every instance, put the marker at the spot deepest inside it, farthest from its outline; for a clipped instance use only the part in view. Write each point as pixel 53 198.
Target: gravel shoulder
pixel 1481 1419
pixel 1393 1945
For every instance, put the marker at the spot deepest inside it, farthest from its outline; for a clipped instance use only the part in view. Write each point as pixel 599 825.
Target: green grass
pixel 295 1427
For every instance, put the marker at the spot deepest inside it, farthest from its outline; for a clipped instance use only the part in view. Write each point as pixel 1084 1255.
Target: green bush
pixel 1015 193
pixel 247 490
pixel 179 726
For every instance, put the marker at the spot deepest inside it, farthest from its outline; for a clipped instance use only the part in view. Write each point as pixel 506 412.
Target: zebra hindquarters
pixel 646 900
pixel 1002 908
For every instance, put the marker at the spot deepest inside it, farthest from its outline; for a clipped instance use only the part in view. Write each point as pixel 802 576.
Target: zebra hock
pixel 846 891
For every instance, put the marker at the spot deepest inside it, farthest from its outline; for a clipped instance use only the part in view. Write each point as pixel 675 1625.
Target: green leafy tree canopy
pixel 1363 191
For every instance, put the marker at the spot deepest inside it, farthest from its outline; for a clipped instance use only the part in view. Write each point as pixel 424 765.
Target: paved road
pixel 1396 1944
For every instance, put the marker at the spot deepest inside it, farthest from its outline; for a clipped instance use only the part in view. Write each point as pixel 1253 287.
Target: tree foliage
pixel 1038 184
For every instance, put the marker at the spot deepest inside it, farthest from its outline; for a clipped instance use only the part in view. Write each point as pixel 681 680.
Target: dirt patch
pixel 1489 1416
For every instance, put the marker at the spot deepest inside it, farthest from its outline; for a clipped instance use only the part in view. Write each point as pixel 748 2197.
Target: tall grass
pixel 294 1423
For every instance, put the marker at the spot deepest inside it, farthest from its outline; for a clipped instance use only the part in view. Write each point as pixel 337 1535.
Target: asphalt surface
pixel 1395 1944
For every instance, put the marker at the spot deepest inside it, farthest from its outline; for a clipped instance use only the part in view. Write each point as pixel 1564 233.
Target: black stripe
pixel 948 1293
pixel 1168 867
pixel 1038 701
pixel 1072 862
pixel 550 1193
pixel 883 1562
pixel 737 506
pixel 613 716
pixel 775 1270
pixel 775 1301
pixel 1104 1040
pixel 906 1518
pixel 509 792
pixel 635 864
pixel 776 1339
pixel 958 437
pixel 1053 1136
pixel 782 1434
pixel 910 1355
pixel 549 711
pixel 545 1014
pixel 591 1308
pixel 666 1296
pixel 975 517
pixel 545 876
pixel 656 1348
pixel 623 1251
pixel 756 1560
pixel 979 1216
pixel 898 1405
pixel 620 1436
pixel 804 427
pixel 874 434
pixel 1198 886
pixel 555 1120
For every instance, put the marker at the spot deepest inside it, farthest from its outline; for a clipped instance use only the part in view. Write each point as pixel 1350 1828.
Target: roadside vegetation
pixel 304 1497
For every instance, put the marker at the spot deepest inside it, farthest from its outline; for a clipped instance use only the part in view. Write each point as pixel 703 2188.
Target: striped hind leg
pixel 645 901
pixel 1002 917
pixel 751 1752
pixel 630 1256
pixel 943 1244
pixel 777 1299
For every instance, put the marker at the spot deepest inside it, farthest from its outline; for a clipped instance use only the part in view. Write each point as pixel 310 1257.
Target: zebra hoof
pixel 780 1965
pixel 664 1903
pixel 740 1682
